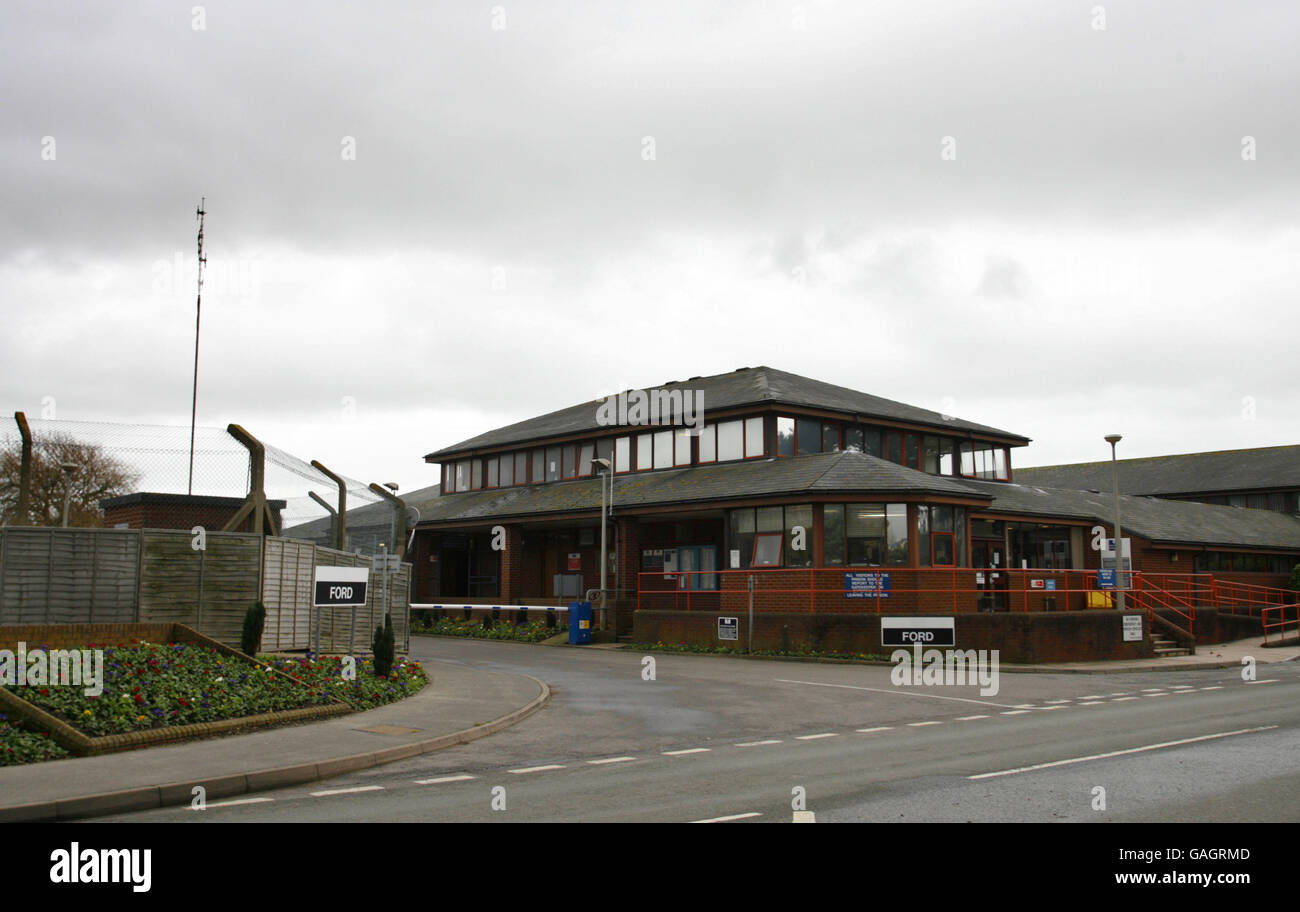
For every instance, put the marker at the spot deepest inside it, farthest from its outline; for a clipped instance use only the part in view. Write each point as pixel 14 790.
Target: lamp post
pixel 1113 439
pixel 69 469
pixel 604 559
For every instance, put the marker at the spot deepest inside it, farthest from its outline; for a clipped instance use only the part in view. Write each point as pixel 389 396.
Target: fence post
pixel 24 470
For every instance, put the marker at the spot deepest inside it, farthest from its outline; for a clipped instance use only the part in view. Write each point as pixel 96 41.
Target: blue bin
pixel 579 623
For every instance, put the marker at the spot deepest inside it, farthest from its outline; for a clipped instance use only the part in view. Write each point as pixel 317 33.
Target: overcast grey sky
pixel 1059 218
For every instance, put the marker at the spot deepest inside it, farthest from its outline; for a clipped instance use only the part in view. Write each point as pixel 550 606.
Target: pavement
pixel 461 704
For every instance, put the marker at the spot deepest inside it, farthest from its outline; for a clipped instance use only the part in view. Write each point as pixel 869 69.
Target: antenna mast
pixel 198 312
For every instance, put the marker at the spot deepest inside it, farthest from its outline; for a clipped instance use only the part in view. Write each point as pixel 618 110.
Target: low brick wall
pixel 1029 637
pixel 67 636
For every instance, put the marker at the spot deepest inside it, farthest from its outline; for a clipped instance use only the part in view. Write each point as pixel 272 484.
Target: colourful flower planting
pixel 530 632
pixel 18 745
pixel 149 686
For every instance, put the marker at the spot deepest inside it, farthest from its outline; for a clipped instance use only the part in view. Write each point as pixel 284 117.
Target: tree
pixel 1294 581
pixel 98 476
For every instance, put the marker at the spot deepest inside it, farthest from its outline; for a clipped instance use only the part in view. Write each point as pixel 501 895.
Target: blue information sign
pixel 1105 579
pixel 871 584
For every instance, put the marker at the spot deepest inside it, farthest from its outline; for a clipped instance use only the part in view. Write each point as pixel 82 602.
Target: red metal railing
pixel 909 589
pixel 1250 599
pixel 1276 618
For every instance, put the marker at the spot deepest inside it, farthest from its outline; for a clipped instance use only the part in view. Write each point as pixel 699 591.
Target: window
pixel 945 457
pixel 645 452
pixel 833 524
pixel 448 478
pixel 605 449
pixel 521 468
pixel 569 461
pixel 754 444
pixel 663 442
pixel 552 463
pixel 941 536
pixel 539 466
pixel 875 535
pixel 623 454
pixel 930 455
pixel 682 446
pixel 894 447
pixel 799 517
pixel 853 441
pixel 911 451
pixel 808 436
pixel 767 550
pixel 731 441
pixel 784 436
pixel 873 442
pixel 492 472
pixel 709 444
pixel 585 453
pixel 462 475
pixel 507 477
pixel 476 480
pixel 983 461
pixel 830 437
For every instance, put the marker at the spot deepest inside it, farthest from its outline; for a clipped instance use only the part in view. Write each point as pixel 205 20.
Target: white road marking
pixel 1215 687
pixel 804 817
pixel 1092 697
pixel 1027 706
pixel 1120 753
pixel 919 724
pixel 1015 712
pixel 758 743
pixel 1147 690
pixel 1056 701
pixel 1122 699
pixel 971 718
pixel 538 769
pixel 689 750
pixel 1048 708
pixel 729 817
pixel 1123 694
pixel 899 692
pixel 1265 681
pixel 815 737
pixel 1182 687
pixel 610 760
pixel 1166 694
pixel 463 777
pixel 348 791
pixel 231 803
pixel 1092 702
pixel 878 728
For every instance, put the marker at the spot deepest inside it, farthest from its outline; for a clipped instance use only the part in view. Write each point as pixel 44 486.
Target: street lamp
pixel 604 560
pixel 69 469
pixel 1113 439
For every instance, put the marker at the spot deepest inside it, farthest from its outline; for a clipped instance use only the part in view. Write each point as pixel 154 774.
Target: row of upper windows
pixel 726 441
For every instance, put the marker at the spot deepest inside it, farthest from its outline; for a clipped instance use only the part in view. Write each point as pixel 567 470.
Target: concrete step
pixel 1166 651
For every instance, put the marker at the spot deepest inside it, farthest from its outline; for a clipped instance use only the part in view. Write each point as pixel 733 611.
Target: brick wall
pixel 1043 637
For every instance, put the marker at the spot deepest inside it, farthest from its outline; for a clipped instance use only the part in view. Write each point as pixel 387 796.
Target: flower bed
pixel 530 632
pixel 153 686
pixel 18 745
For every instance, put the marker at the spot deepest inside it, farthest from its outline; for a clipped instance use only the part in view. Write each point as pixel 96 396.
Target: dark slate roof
pixel 179 500
pixel 1165 521
pixel 825 473
pixel 761 386
pixel 1262 468
pixel 378 514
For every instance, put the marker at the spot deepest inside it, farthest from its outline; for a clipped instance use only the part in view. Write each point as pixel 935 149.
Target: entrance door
pixel 990 558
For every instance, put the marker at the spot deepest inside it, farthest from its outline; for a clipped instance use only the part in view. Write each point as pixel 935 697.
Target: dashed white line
pixel 1121 694
pixel 1092 702
pixel 896 692
pixel 729 817
pixel 689 750
pixel 815 737
pixel 1049 708
pixel 1092 697
pixel 878 728
pixel 605 760
pixel 919 724
pixel 1165 694
pixel 1147 690
pixel 971 718
pixel 1215 687
pixel 1056 701
pixel 538 769
pixel 758 743
pixel 231 803
pixel 348 791
pixel 1265 681
pixel 1015 712
pixel 1123 699
pixel 462 777
pixel 1120 753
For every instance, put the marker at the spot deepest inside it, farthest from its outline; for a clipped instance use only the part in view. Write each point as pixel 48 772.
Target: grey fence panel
pixel 209 589
pixel 67 576
pixel 287 593
pixel 349 630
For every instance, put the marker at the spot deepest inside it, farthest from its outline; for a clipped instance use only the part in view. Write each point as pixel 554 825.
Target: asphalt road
pixel 725 739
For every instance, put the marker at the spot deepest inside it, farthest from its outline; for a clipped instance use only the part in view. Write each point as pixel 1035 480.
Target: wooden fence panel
pixel 67 576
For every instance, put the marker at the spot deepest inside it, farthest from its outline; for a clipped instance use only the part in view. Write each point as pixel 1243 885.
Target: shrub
pixel 250 640
pixel 1294 581
pixel 384 647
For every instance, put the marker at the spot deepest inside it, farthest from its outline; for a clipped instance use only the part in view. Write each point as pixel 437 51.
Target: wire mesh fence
pixel 143 473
